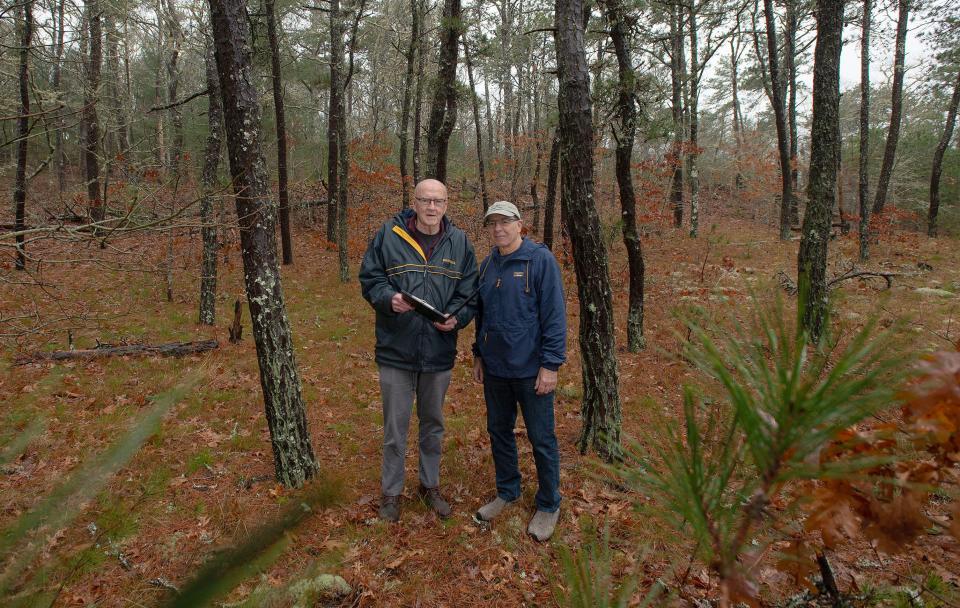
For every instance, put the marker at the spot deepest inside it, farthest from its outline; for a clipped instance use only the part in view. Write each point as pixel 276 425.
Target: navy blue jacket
pixel 394 261
pixel 521 313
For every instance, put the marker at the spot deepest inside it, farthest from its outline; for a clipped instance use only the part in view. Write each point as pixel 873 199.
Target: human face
pixel 430 203
pixel 505 232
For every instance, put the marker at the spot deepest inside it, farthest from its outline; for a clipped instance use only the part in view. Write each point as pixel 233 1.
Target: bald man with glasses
pixel 422 253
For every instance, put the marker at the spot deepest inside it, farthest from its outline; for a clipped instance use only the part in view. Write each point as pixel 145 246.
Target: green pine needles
pixel 721 471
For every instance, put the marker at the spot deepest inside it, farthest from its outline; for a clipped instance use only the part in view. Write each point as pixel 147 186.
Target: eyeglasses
pixel 436 202
pixel 501 223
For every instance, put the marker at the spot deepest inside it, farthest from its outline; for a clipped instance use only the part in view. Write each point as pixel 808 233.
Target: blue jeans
pixel 502 396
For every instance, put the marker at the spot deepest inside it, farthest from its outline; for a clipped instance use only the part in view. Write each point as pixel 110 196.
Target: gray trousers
pixel 398 388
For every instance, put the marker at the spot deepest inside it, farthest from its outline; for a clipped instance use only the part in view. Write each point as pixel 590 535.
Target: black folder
pixel 423 307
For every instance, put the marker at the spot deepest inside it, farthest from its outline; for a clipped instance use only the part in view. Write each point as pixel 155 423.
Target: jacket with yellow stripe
pixel 394 261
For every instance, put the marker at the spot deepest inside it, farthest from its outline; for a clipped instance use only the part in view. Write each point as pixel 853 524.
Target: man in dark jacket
pixel 421 252
pixel 521 343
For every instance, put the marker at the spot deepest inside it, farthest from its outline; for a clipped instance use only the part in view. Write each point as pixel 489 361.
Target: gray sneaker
pixel 542 525
pixel 433 499
pixel 390 508
pixel 489 511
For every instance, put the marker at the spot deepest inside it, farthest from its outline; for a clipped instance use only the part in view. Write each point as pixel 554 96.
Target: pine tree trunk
pixel 896 109
pixel 627 118
pixel 863 188
pixel 336 114
pixel 175 162
pixel 90 120
pixel 61 159
pixel 693 173
pixel 418 101
pixel 23 123
pixel 779 110
pixel 481 169
pixel 676 81
pixel 550 205
pixel 790 61
pixel 821 188
pixel 601 400
pixel 443 110
pixel 938 159
pixel 294 461
pixel 404 135
pixel 211 162
pixel 286 243
pixel 737 123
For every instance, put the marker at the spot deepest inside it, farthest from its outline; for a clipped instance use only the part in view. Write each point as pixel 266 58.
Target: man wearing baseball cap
pixel 520 345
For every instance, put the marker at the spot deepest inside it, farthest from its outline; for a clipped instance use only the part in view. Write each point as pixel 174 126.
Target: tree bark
pixel 211 162
pixel 175 162
pixel 443 110
pixel 937 169
pixel 737 122
pixel 789 52
pixel 896 109
pixel 693 171
pixel 286 243
pixel 550 205
pixel 676 81
pixel 627 119
pixel 404 134
pixel 337 115
pixel 824 153
pixel 23 124
pixel 779 110
pixel 294 461
pixel 863 188
pixel 90 120
pixel 418 101
pixel 61 159
pixel 601 400
pixel 481 169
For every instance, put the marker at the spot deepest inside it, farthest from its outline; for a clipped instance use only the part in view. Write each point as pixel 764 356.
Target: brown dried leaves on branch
pixel 888 506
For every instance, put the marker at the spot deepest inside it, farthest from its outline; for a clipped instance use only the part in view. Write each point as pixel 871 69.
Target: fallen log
pixel 171 349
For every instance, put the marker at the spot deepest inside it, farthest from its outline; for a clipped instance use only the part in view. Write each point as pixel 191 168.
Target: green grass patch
pixel 200 460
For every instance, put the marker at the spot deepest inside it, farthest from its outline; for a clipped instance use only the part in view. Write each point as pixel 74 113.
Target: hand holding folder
pixel 428 310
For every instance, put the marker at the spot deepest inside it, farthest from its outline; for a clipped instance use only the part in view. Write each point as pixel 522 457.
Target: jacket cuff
pixel 551 366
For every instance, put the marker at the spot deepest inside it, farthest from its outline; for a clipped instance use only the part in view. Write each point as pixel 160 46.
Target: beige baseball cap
pixel 504 208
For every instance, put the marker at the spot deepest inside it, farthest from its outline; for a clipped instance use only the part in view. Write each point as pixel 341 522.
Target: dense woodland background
pixel 757 247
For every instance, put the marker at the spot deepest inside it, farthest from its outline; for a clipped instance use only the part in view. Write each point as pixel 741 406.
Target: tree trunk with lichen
pixel 23 123
pixel 625 136
pixel 822 186
pixel 938 154
pixel 896 108
pixel 550 204
pixel 90 121
pixel 211 161
pixel 863 188
pixel 286 243
pixel 294 461
pixel 600 410
pixel 443 111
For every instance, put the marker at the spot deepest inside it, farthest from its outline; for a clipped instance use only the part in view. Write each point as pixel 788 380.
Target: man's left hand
pixel 447 325
pixel 546 381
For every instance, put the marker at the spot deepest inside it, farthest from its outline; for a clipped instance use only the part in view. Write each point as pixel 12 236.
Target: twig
pixel 179 103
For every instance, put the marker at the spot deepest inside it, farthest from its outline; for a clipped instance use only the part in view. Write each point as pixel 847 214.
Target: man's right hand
pixel 400 305
pixel 478 369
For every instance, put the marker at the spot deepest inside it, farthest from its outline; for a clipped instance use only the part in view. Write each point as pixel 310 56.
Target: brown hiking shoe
pixel 390 508
pixel 431 496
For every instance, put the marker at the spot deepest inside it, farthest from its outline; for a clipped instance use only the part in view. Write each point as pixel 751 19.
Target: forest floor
pixel 205 480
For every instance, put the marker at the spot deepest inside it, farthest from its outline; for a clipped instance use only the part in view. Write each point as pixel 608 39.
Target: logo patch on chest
pixel 449 261
pixel 518 275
